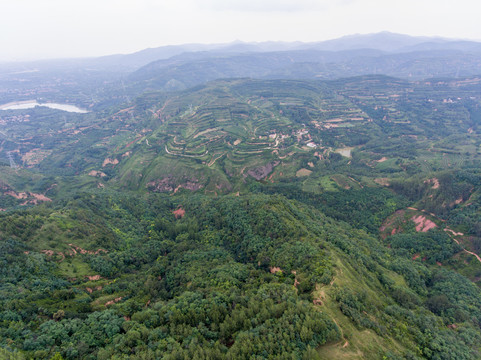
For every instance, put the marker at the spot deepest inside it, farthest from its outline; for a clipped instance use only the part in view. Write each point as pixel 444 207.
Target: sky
pixel 39 29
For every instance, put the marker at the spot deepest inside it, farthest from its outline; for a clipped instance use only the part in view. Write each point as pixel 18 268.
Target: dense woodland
pixel 202 286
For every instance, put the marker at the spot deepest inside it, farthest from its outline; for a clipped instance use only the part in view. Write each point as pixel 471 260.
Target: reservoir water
pixel 22 105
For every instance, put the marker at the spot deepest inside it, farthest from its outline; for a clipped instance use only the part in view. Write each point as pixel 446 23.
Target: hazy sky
pixel 31 29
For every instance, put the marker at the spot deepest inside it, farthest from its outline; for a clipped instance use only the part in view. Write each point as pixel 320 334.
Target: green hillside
pixel 227 277
pixel 244 218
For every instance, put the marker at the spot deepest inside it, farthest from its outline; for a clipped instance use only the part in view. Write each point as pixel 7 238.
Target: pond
pixel 30 104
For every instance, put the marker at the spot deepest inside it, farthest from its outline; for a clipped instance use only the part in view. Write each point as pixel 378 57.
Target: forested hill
pixel 286 216
pixel 106 275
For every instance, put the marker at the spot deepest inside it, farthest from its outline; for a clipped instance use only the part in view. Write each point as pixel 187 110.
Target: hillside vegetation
pixel 268 218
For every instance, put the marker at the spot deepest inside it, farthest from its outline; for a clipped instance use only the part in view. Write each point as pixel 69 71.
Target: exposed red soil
pixel 423 224
pixel 124 110
pixel 111 302
pixel 91 290
pixel 16 195
pixel 389 222
pixel 130 143
pixel 434 182
pixel 26 195
pixel 97 173
pixel 317 302
pixel 382 181
pixel 77 249
pixel 40 197
pixel 179 213
pixel 275 269
pixel 94 277
pixel 270 177
pixel 110 161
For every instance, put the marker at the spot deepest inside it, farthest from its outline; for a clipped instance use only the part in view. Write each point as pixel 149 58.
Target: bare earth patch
pixel 382 181
pixel 385 228
pixel 303 172
pixel 109 161
pixel 423 224
pixel 179 213
pixel 16 195
pixel 458 201
pixel 275 269
pixel 35 156
pixel 94 277
pixel 40 197
pixel 111 302
pixel 434 182
pixel 97 173
pixel 91 290
pixel 31 198
pixel 77 249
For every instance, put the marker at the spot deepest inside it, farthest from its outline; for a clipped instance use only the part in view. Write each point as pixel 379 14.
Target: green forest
pixel 250 276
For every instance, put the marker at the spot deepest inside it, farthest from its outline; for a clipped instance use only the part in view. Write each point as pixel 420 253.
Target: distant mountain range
pixel 384 41
pixel 179 67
